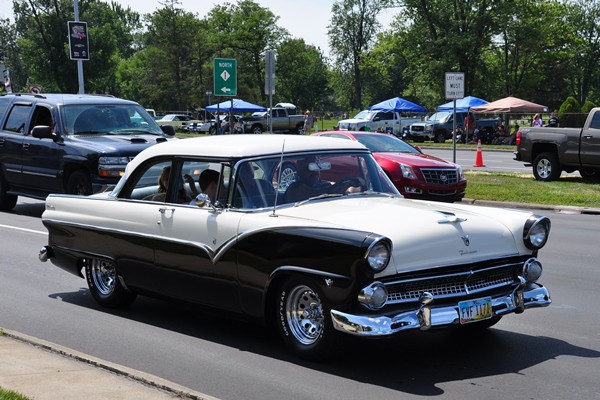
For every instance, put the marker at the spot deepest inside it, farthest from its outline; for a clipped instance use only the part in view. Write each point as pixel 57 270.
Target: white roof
pixel 246 145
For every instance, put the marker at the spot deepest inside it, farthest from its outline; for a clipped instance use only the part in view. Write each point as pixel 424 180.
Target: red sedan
pixel 416 175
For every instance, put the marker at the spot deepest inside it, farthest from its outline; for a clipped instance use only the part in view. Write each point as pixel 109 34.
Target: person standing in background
pixel 553 121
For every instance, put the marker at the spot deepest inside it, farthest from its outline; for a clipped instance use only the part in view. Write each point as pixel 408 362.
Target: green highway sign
pixel 225 77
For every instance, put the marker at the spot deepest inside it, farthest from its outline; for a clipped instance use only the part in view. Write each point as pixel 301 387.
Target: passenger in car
pixel 308 183
pixel 163 185
pixel 208 181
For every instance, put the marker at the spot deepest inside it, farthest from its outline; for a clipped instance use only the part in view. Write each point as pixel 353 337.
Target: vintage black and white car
pixel 304 233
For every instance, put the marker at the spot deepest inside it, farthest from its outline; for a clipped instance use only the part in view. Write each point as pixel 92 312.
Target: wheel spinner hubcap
pixel 305 315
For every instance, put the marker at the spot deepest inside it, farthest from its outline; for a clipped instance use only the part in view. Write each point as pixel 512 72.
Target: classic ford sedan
pixel 329 248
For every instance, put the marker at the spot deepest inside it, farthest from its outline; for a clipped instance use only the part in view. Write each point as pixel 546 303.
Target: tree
pixel 351 33
pixel 41 28
pixel 9 56
pixel 171 41
pixel 301 74
pixel 244 31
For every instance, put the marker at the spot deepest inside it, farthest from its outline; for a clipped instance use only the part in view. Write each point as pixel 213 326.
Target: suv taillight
pixel 518 138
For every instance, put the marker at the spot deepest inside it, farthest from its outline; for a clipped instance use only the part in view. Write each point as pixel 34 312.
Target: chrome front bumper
pixel 427 315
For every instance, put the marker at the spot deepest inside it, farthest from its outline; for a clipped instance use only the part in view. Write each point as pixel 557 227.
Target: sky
pixel 305 19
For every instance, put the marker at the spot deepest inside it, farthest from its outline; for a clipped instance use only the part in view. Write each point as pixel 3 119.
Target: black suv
pixel 68 143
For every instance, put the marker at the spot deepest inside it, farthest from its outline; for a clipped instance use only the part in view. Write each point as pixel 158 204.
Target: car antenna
pixel 279 178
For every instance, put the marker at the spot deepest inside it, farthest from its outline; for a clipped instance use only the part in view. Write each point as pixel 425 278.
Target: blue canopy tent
pixel 235 105
pixel 399 105
pixel 462 105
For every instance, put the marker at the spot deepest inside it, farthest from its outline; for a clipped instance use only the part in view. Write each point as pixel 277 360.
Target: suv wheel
pixel 79 183
pixel 546 167
pixel 7 201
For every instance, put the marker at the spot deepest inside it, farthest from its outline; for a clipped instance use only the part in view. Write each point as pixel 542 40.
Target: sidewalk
pixel 45 371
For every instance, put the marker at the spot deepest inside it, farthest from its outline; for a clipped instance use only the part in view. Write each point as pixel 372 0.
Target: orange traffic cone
pixel 479 156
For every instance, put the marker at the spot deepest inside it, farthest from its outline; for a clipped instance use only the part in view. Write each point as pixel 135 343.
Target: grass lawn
pixel 525 189
pixel 10 395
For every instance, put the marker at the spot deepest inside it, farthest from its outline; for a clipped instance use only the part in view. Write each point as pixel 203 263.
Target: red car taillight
pixel 518 138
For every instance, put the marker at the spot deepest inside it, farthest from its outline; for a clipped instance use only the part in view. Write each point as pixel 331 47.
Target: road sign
pixel 78 40
pixel 225 77
pixel 455 85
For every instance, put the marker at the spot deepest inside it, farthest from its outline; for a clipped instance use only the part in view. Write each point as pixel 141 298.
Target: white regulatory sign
pixel 455 85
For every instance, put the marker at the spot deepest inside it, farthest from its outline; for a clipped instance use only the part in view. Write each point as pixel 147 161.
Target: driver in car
pixel 308 182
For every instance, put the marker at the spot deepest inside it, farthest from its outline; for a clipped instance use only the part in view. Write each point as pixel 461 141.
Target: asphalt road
pixel 549 353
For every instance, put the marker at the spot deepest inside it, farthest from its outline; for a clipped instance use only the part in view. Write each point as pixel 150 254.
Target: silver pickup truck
pixel 280 119
pixel 553 150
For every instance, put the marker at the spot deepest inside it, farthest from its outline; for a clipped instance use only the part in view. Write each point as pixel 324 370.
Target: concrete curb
pixel 139 377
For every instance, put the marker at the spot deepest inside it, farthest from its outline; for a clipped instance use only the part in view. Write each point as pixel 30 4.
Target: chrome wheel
pixel 103 275
pixel 304 313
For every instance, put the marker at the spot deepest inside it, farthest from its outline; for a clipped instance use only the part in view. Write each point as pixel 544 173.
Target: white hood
pixel 424 234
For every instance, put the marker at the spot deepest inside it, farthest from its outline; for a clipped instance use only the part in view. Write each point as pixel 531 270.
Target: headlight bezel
pixel 379 254
pixel 532 232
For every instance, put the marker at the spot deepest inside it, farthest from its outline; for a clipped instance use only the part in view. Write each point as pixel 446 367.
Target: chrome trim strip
pixel 307 271
pixel 381 325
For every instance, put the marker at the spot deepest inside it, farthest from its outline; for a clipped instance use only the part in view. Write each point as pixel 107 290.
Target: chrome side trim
pixel 307 271
pixel 427 315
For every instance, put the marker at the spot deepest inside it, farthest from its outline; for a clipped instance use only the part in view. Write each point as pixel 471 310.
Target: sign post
pixel 455 89
pixel 270 81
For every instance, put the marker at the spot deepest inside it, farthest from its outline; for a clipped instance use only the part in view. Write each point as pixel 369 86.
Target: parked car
pixel 280 118
pixel 339 251
pixel 438 127
pixel 67 143
pixel 415 174
pixel 553 150
pixel 373 120
pixel 177 121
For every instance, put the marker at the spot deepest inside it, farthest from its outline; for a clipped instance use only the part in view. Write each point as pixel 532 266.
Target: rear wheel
pixel 546 167
pixel 102 279
pixel 303 319
pixel 79 183
pixel 7 201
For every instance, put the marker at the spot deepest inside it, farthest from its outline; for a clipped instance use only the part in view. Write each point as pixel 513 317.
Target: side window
pixel 42 116
pixel 207 177
pixel 152 184
pixel 17 119
pixel 595 124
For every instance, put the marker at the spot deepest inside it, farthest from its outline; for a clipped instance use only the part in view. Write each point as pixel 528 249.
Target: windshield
pixel 439 116
pixel 385 144
pixel 121 119
pixel 261 183
pixel 364 114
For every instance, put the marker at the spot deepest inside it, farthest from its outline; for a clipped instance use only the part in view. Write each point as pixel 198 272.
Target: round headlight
pixel 532 270
pixel 536 232
pixel 373 296
pixel 379 255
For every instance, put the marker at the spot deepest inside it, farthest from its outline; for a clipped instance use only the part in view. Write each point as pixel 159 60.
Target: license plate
pixel 475 310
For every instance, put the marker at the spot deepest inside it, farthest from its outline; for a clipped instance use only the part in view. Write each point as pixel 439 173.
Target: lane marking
pixel 23 229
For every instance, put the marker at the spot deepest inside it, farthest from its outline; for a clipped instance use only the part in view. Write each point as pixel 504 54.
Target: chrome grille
pixel 455 284
pixel 417 128
pixel 440 176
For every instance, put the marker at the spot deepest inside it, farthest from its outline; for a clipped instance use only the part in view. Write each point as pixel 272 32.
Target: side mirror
pixel 168 130
pixel 43 132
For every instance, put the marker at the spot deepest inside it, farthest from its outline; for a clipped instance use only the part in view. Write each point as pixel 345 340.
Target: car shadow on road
pixel 414 362
pixel 29 209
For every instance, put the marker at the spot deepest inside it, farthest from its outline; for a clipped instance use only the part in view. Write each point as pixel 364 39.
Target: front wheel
pixel 546 167
pixel 79 183
pixel 102 279
pixel 440 137
pixel 303 319
pixel 257 129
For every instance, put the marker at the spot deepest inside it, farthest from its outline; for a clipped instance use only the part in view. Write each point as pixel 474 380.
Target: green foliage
pixel 568 113
pixel 11 395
